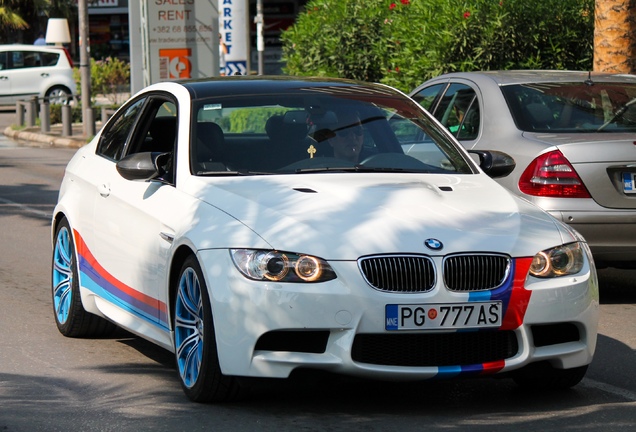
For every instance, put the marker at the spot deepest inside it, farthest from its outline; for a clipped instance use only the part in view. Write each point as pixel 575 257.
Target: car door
pixel 134 221
pixel 5 83
pixel 24 74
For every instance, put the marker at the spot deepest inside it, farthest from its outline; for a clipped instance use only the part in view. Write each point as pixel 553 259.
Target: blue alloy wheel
pixel 62 275
pixel 195 344
pixel 71 318
pixel 189 327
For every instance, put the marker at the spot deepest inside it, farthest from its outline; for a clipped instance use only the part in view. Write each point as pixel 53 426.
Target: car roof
pixel 25 47
pixel 508 77
pixel 246 85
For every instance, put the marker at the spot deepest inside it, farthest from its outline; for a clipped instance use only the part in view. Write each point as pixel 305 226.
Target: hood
pixel 344 216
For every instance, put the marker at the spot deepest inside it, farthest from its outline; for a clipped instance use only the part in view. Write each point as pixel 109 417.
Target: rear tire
pixel 195 342
pixel 542 376
pixel 71 318
pixel 59 95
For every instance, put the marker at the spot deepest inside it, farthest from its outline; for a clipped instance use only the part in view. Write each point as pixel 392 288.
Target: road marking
pixel 608 388
pixel 24 207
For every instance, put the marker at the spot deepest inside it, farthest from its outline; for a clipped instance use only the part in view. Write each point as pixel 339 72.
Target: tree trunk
pixel 614 39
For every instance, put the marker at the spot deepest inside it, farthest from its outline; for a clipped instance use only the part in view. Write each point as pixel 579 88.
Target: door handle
pixel 44 74
pixel 104 190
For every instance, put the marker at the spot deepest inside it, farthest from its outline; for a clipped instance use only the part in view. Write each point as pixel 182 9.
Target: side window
pixel 458 111
pixel 17 59
pixel 426 97
pixel 25 59
pixel 3 61
pixel 113 140
pixel 161 131
pixel 49 59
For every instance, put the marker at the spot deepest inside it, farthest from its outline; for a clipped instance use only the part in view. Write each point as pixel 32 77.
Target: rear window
pixel 573 107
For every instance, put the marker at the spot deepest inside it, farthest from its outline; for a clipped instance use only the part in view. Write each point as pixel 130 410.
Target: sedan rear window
pixel 573 107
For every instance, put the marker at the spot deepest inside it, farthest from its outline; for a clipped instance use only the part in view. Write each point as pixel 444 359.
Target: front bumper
pixel 247 313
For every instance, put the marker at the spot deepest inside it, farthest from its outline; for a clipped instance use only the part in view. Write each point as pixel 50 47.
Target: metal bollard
pixel 31 112
pixel 45 117
pixel 19 110
pixel 67 121
pixel 89 122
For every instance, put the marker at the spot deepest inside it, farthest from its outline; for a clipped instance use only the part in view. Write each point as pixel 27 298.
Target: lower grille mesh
pixel 442 349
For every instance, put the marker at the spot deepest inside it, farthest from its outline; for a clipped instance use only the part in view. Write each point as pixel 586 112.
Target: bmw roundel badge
pixel 433 244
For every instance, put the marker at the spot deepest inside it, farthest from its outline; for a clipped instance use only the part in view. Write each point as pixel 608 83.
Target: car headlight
pixel 267 265
pixel 562 260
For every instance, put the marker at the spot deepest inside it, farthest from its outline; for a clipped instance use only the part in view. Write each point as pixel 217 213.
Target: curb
pixel 49 139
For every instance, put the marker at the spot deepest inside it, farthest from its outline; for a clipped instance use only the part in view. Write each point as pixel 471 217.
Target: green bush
pixel 56 114
pixel 404 42
pixel 109 77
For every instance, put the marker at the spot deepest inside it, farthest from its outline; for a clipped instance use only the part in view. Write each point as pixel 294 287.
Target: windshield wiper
pixel 223 173
pixel 618 114
pixel 357 168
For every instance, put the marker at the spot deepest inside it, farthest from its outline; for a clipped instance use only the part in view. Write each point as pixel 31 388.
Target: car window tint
pixel 292 133
pixel 17 59
pixel 468 129
pixel 114 139
pixel 453 107
pixel 427 96
pixel 49 59
pixel 161 132
pixel 25 59
pixel 573 107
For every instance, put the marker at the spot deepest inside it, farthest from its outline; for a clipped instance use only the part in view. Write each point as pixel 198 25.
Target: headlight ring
pixel 564 260
pixel 280 266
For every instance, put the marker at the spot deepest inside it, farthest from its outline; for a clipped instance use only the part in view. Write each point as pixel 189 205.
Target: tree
pixel 614 41
pixel 27 16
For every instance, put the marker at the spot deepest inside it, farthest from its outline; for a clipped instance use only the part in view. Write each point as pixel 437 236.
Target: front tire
pixel 71 318
pixel 195 342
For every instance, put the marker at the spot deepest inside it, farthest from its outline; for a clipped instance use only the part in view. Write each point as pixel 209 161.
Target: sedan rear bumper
pixel 610 234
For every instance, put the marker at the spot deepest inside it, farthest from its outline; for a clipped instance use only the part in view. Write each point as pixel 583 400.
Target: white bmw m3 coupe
pixel 257 225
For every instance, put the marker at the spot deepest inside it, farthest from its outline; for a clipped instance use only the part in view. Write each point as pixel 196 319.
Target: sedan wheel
pixel 71 318
pixel 195 343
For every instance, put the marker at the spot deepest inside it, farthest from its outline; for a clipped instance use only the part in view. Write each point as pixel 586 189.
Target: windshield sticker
pixel 210 107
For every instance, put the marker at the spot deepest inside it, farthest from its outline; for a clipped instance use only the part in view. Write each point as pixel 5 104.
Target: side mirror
pixel 143 166
pixel 495 163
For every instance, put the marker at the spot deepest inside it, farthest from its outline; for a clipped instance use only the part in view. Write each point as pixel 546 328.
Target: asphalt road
pixel 123 383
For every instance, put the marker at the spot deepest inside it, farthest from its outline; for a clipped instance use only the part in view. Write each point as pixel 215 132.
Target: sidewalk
pixel 53 138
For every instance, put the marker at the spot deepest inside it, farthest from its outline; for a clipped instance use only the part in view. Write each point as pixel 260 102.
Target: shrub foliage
pixel 404 42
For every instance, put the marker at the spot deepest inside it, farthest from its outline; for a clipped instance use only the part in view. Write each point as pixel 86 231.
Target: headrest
pixel 209 132
pixel 290 126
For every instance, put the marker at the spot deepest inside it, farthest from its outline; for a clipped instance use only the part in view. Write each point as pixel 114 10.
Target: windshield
pixel 573 107
pixel 301 133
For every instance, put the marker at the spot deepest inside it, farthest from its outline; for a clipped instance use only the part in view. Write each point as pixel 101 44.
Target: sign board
pixel 234 29
pixel 173 40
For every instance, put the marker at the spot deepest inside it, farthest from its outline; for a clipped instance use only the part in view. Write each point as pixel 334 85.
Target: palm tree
pixel 614 40
pixel 10 16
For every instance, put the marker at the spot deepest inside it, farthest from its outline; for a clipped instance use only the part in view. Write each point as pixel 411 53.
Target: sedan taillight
pixel 552 175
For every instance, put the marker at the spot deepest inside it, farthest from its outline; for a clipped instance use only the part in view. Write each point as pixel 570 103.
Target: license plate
pixel 628 183
pixel 443 316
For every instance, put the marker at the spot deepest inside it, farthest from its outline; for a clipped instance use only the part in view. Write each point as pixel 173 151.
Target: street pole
pixel 260 43
pixel 88 119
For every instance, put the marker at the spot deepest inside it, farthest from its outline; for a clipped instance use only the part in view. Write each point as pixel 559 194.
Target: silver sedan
pixel 572 135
